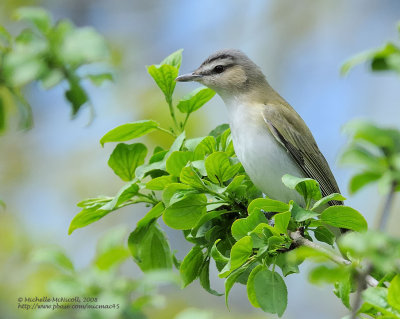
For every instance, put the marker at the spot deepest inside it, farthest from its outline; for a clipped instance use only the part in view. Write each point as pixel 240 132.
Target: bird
pixel 269 137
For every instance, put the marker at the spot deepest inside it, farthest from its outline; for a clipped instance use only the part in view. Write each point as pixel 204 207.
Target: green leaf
pixel 381 250
pixel 243 226
pixel 174 59
pixel 267 205
pixel 378 297
pixel 262 233
pixel 200 166
pixel 357 59
pixel 83 45
pixel 195 100
pixel 185 213
pixel 87 216
pixel 172 189
pixel 282 221
pixel 344 217
pixel 219 130
pixel 205 279
pixel 240 252
pixel 150 248
pixel 323 234
pixel 126 158
pixel 251 294
pixel 125 193
pixel 270 291
pixel 5 37
pixel 360 156
pixel 38 16
pixel 129 131
pixel 307 187
pixel 303 252
pixel 230 281
pixel 206 218
pixel 394 292
pixel 99 79
pixel 217 255
pixel 178 160
pixel 158 160
pixel 53 256
pixel 98 208
pixel 2 115
pixel 326 199
pixel 205 147
pixel 164 75
pixel 367 132
pixel 342 290
pixel 235 183
pixel 51 78
pixel 323 273
pixel 76 95
pixel 358 181
pixel 191 265
pixel 300 214
pixel 151 215
pixel 160 183
pixel 219 169
pixel 287 266
pixel 112 257
pixel 190 177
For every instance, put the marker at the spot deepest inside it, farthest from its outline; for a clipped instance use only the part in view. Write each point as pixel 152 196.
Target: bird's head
pixel 228 72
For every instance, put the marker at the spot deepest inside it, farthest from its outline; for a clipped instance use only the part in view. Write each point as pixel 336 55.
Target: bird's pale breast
pixel 261 155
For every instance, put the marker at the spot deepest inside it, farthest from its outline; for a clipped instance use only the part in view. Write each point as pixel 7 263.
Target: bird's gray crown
pixel 225 54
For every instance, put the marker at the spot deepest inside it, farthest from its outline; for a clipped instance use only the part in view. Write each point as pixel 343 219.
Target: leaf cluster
pixel 386 58
pixel 376 151
pixel 127 297
pixel 47 53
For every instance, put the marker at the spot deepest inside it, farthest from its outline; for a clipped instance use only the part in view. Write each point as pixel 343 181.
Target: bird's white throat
pixel 263 158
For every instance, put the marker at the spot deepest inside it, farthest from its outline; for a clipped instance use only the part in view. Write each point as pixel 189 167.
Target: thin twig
pixel 361 286
pixel 299 240
pixel 166 131
pixel 185 121
pixel 172 112
pixel 384 215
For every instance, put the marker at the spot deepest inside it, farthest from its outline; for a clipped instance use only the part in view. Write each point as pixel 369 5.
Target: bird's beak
pixel 188 77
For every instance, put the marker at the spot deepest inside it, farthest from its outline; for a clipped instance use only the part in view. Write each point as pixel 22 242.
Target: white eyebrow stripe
pixel 210 66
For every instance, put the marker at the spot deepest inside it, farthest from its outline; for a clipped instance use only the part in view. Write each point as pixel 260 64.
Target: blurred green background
pixel 300 46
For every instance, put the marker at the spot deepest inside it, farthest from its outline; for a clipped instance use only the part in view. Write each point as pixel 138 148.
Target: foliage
pixel 386 58
pixel 50 54
pixel 377 152
pixel 198 186
pixel 125 297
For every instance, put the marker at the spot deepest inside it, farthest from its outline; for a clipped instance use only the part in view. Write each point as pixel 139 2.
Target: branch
pixel 361 286
pixel 299 240
pixel 384 215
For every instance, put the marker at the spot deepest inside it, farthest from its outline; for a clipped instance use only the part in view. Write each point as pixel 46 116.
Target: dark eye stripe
pixel 209 72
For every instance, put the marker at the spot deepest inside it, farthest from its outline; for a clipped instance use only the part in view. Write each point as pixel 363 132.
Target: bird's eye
pixel 219 69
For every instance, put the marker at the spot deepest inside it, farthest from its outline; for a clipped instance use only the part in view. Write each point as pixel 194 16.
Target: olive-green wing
pixel 293 134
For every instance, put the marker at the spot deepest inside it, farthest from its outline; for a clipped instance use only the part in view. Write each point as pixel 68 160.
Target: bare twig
pixel 384 215
pixel 361 286
pixel 299 240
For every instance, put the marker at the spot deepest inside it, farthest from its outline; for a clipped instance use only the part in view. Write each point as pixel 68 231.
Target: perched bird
pixel 269 136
